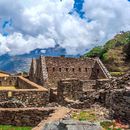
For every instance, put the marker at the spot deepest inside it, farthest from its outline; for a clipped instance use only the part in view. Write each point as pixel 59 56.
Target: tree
pixel 95 52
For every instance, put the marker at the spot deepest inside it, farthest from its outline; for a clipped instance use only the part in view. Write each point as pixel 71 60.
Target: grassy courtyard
pixel 5 127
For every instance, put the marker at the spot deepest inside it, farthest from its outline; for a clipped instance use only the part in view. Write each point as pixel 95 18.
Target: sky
pixel 76 25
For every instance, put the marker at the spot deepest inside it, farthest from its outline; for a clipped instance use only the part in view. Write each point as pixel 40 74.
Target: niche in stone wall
pixel 67 69
pixel 60 69
pixel 10 82
pixel 98 71
pixel 53 69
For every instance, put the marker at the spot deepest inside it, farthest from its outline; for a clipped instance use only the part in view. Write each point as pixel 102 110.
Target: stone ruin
pixel 23 105
pixel 47 71
pixel 71 82
pixel 81 82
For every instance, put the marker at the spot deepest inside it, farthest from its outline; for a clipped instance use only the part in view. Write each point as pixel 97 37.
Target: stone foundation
pixel 71 93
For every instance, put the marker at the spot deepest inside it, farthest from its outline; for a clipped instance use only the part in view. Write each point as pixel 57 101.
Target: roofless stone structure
pixel 49 70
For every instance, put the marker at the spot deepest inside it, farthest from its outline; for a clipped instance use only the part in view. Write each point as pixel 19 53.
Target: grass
pixel 116 74
pixel 108 125
pixel 7 87
pixel 9 127
pixel 92 117
pixel 84 115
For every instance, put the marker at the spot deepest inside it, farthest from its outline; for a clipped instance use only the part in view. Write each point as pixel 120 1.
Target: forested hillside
pixel 115 54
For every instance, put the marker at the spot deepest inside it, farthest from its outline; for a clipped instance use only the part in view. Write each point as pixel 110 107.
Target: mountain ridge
pixel 21 63
pixel 115 53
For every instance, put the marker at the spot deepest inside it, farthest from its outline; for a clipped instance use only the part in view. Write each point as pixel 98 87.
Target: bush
pixel 127 50
pixel 95 52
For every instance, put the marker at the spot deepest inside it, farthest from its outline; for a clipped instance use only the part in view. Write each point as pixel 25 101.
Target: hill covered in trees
pixel 115 54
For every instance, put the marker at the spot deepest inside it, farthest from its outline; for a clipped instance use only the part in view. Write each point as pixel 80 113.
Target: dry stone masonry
pixel 26 94
pixel 24 116
pixel 47 71
pixel 70 82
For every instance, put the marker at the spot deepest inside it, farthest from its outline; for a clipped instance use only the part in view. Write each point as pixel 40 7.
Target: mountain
pixel 21 63
pixel 115 53
pixel 14 64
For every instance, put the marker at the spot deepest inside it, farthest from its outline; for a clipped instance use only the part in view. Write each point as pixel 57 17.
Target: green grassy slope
pixel 115 54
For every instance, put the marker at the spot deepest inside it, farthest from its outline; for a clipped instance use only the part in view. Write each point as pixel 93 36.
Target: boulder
pixel 71 125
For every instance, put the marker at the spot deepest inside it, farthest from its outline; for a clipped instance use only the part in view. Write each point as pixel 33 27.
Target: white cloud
pixel 108 17
pixel 44 23
pixel 17 44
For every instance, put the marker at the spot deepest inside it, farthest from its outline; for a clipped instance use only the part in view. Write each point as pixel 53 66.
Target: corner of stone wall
pixel 32 70
pixel 100 71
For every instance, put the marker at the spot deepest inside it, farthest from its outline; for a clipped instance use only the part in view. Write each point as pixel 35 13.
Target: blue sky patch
pixel 78 5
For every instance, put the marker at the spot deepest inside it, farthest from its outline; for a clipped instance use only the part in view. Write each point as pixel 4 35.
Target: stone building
pixel 47 71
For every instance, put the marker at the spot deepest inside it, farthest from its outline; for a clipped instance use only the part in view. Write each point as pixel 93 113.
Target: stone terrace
pixel 26 94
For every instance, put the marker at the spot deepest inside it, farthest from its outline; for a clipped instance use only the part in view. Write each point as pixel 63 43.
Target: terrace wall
pixel 26 97
pixel 24 116
pixel 28 94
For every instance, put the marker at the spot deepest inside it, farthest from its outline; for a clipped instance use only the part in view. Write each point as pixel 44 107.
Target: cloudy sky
pixel 76 25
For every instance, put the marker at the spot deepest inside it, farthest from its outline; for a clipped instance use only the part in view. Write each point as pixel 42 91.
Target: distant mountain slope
pixel 14 64
pixel 21 63
pixel 114 53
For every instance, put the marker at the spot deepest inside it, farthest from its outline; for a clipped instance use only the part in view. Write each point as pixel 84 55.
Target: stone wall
pixel 62 68
pixel 71 89
pixel 26 97
pixel 23 83
pixel 100 71
pixel 26 94
pixel 19 82
pixel 103 84
pixel 119 104
pixel 88 84
pixel 24 116
pixel 49 70
pixel 72 93
pixel 8 81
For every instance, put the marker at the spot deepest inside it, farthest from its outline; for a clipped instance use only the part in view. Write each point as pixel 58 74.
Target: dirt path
pixel 58 114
